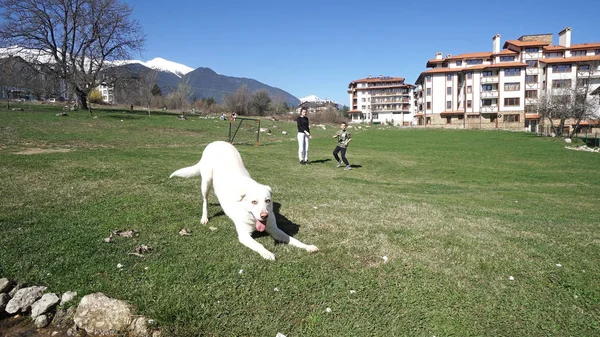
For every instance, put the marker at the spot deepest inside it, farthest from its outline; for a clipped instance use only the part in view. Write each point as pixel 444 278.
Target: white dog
pixel 245 201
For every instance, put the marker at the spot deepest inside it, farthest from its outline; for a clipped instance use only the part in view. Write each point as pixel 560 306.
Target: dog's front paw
pixel 312 248
pixel 267 255
pixel 204 220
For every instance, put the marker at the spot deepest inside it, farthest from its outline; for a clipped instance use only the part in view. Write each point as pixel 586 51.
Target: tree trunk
pixel 82 96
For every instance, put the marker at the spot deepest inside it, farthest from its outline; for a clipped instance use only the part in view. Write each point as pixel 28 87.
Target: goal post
pixel 244 130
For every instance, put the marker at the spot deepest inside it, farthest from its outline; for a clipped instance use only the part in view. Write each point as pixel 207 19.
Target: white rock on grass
pixel 24 298
pixel 99 314
pixel 67 297
pixel 47 302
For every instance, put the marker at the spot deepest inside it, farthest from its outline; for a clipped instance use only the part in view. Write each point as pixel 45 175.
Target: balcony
pixel 489 79
pixel 532 71
pixel 489 108
pixel 489 94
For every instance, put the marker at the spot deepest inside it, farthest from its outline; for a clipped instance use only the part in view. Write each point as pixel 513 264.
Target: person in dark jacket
pixel 303 136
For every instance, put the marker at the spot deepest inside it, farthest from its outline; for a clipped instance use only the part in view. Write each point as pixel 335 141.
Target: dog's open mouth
pixel 261 225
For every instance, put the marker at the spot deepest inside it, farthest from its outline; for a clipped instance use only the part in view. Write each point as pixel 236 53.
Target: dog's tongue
pixel 260 226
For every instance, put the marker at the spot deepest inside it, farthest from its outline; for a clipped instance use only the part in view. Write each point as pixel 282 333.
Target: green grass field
pixel 455 212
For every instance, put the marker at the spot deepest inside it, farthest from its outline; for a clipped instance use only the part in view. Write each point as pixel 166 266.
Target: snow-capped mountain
pixel 158 63
pixel 161 64
pixel 313 98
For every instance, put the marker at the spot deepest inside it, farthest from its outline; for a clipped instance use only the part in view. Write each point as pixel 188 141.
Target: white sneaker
pixel 339 164
pixel 348 167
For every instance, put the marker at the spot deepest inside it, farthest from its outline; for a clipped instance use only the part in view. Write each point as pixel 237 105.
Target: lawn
pixel 432 233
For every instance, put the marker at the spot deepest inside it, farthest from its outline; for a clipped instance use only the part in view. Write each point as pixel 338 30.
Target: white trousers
pixel 302 146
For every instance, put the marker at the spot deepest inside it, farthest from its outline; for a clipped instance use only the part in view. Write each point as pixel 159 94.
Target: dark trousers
pixel 343 151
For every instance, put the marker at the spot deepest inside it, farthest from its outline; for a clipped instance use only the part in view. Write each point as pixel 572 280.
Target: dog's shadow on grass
pixel 283 223
pixel 287 226
pixel 319 161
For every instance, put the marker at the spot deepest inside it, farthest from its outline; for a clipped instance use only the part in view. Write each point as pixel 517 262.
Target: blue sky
pixel 319 47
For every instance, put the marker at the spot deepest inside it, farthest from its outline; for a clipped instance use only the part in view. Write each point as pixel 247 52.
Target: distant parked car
pixel 51 100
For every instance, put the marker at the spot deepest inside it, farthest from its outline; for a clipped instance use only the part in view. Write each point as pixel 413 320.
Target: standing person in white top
pixel 303 136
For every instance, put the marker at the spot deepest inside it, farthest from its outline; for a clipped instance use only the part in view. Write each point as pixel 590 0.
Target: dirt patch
pixel 35 150
pixel 20 326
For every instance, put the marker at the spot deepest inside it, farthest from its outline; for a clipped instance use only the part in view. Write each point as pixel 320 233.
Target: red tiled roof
pixel 506 52
pixel 571 59
pixel 379 79
pixel 420 114
pixel 525 43
pixel 354 111
pixel 532 116
pixel 554 48
pixel 442 70
pixel 476 55
pixel 587 45
pixel 590 123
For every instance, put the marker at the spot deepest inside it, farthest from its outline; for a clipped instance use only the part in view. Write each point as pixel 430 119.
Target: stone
pixel 24 298
pixel 44 304
pixel 64 318
pixel 5 285
pixel 99 314
pixel 41 321
pixel 67 297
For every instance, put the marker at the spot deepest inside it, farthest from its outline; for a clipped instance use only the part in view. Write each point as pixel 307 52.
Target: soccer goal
pixel 244 130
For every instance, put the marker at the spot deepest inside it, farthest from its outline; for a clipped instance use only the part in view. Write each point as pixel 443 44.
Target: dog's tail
pixel 187 172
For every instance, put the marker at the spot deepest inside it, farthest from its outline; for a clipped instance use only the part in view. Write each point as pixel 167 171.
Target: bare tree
pixel 78 36
pixel 259 102
pixel 180 98
pixel 238 101
pixel 571 102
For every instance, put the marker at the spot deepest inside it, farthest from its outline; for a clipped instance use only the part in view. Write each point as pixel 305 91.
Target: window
pixel 475 61
pixel 469 89
pixel 449 77
pixel 561 68
pixel 510 118
pixel 582 82
pixel 561 83
pixel 584 67
pixel 428 78
pixel 469 103
pixel 487 73
pixel 363 99
pixel 507 58
pixel 449 91
pixel 469 75
pixel 486 87
pixel 512 72
pixel 363 107
pixel 532 49
pixel 448 104
pixel 531 78
pixel 448 120
pixel 458 63
pixel 428 91
pixel 554 55
pixel 532 63
pixel 531 93
pixel 486 102
pixel 513 86
pixel 428 105
pixel 597 52
pixel 512 101
pixel 578 53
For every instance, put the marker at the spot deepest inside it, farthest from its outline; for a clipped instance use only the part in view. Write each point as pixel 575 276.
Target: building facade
pixel 501 89
pixel 383 99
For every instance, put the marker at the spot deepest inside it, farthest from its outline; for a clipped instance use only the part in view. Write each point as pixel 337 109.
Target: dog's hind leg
pixel 281 236
pixel 205 187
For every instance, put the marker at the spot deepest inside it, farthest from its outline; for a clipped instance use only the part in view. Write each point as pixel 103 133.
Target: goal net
pixel 244 130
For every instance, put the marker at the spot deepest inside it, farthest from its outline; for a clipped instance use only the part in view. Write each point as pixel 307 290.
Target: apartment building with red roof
pixel 382 99
pixel 500 89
